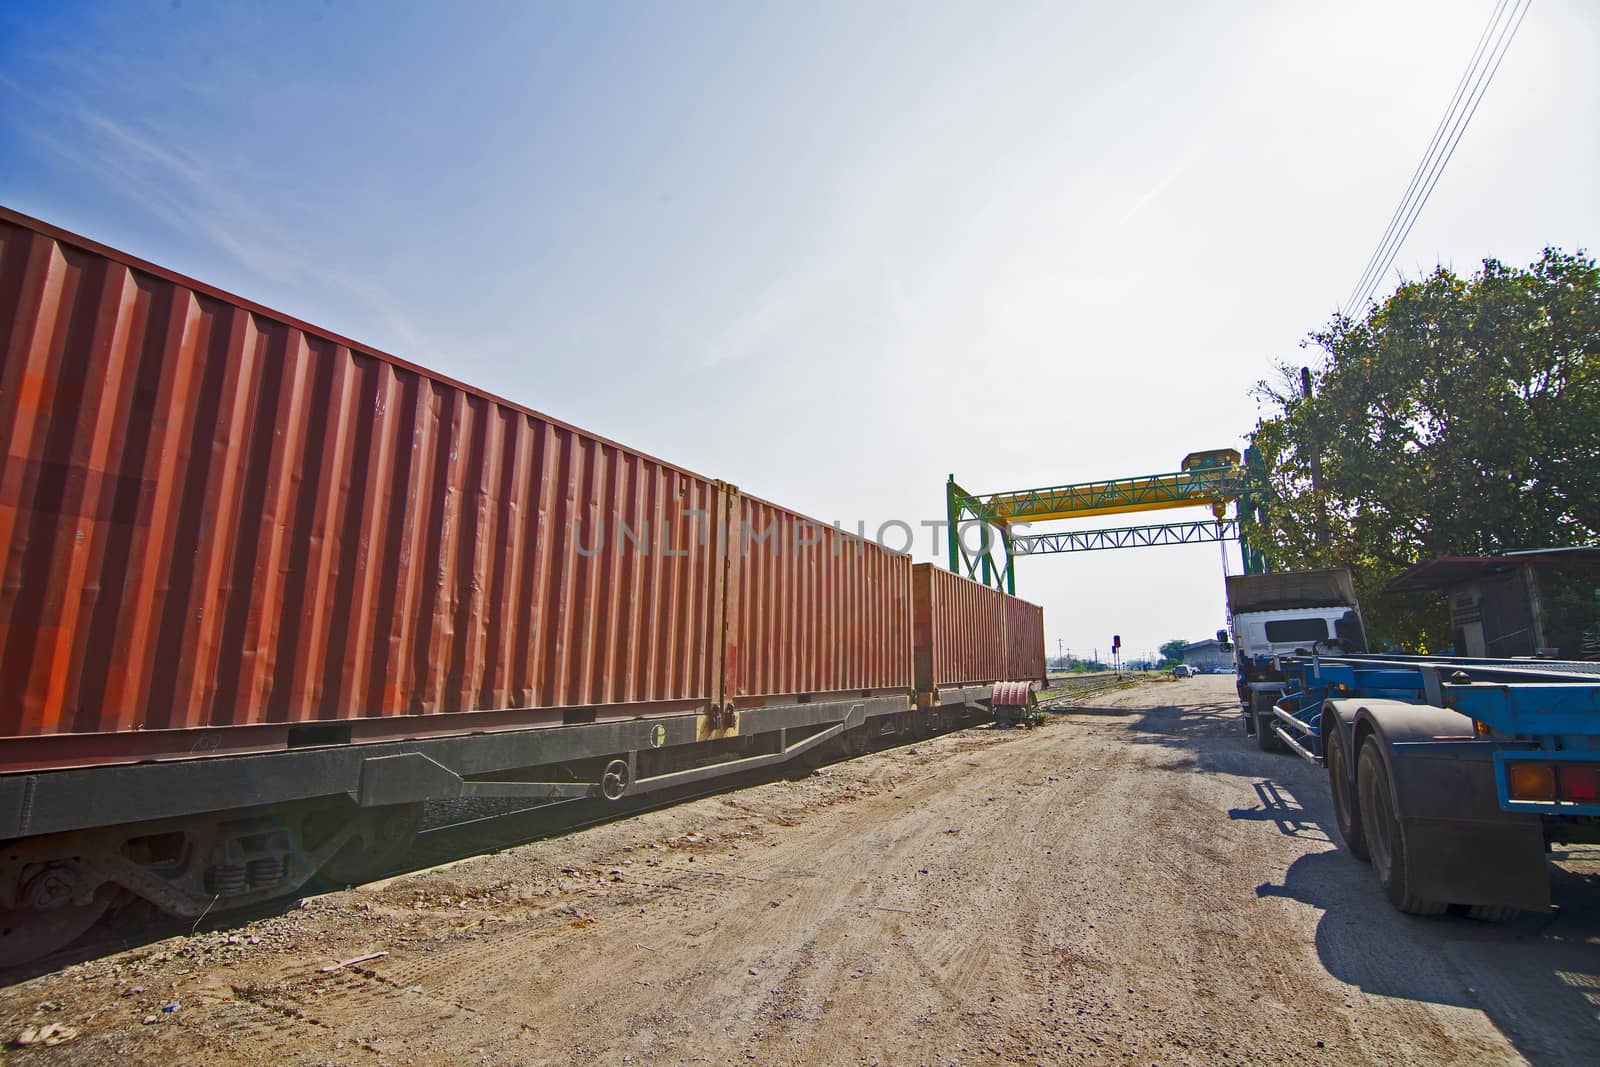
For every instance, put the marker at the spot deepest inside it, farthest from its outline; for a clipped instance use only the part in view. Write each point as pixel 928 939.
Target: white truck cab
pixel 1278 614
pixel 1277 633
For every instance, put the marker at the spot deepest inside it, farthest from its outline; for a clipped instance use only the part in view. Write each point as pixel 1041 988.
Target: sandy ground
pixel 1132 883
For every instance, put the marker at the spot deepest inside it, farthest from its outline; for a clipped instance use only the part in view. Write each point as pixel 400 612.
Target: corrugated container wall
pixel 813 609
pixel 959 628
pixel 214 515
pixel 1024 641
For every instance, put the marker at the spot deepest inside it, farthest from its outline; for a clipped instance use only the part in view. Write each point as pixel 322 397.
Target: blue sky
pixel 829 252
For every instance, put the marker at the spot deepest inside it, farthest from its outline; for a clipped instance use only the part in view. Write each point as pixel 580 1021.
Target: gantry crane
pixel 1215 479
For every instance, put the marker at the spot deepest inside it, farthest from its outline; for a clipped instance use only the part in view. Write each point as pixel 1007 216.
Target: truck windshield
pixel 1297 630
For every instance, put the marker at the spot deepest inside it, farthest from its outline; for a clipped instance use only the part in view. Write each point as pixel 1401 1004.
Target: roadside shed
pixel 1542 602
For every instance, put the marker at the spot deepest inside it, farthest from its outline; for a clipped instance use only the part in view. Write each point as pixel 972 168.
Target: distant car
pixel 1183 670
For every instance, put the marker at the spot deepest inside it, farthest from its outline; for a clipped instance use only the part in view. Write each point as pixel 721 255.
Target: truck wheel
pixel 1342 784
pixel 1261 712
pixel 1385 836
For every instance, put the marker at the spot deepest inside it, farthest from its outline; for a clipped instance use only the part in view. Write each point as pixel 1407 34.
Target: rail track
pixel 1075 689
pixel 459 829
pixel 451 831
pixel 472 827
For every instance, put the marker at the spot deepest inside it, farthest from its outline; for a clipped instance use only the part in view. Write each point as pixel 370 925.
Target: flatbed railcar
pixel 267 590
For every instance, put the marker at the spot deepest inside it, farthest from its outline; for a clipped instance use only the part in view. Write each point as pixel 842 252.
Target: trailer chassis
pixel 1452 776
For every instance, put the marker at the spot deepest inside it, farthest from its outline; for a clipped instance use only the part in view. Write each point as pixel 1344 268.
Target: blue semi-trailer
pixel 1452 776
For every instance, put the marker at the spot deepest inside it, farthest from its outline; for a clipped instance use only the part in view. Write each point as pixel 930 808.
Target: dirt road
pixel 1132 883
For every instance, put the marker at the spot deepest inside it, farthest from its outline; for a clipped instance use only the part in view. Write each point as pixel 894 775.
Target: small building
pixel 1207 655
pixel 1544 602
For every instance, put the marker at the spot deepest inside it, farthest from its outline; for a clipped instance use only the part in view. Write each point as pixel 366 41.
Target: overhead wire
pixel 1481 70
pixel 1439 168
pixel 1422 164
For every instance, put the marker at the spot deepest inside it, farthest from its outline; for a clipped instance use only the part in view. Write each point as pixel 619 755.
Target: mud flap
pixel 1460 846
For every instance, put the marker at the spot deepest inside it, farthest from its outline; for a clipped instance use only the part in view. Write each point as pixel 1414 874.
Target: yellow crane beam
pixel 1207 478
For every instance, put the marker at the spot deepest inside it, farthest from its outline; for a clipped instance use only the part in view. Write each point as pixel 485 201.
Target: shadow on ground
pixel 1536 978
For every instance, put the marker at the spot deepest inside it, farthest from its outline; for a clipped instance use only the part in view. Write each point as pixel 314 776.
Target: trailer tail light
pixel 1571 783
pixel 1531 781
pixel 1578 782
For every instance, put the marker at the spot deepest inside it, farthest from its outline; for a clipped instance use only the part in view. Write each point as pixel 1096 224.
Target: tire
pixel 1261 712
pixel 1384 833
pixel 1493 913
pixel 1342 784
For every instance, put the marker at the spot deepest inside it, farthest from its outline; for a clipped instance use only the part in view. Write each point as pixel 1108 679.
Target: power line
pixel 1446 135
pixel 1475 97
pixel 1438 170
pixel 1422 164
pixel 1480 74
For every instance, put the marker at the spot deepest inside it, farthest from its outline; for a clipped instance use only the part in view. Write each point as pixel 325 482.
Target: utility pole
pixel 1316 471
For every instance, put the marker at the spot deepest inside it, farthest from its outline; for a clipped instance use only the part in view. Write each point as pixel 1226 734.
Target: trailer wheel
pixel 1342 784
pixel 1385 836
pixel 1261 713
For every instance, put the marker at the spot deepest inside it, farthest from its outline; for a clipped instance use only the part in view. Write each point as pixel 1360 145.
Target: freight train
pixel 267 590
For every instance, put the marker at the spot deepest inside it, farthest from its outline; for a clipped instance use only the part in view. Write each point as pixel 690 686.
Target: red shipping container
pixel 959 629
pixel 812 609
pixel 1024 641
pixel 216 516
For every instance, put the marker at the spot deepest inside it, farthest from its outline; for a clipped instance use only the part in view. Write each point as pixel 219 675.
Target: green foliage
pixel 1460 417
pixel 1172 651
pixel 1570 596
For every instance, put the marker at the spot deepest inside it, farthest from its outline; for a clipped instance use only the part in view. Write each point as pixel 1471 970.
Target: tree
pixel 1459 417
pixel 1172 651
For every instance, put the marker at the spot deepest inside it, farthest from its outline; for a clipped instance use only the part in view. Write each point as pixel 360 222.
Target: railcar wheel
pixel 27 934
pixel 384 837
pixel 1341 783
pixel 855 742
pixel 1384 833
